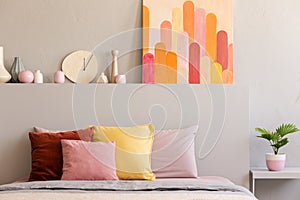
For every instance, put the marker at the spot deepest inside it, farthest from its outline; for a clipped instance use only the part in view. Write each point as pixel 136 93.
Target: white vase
pixel 4 74
pixel 38 77
pixel 102 79
pixel 275 162
pixel 114 70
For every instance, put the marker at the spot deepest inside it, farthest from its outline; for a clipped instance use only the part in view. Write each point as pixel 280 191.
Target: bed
pixel 202 188
pixel 118 163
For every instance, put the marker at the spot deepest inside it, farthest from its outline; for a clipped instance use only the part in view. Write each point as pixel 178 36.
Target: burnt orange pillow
pixel 46 154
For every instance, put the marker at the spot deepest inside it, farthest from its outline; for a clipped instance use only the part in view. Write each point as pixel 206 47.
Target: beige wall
pixel 43 32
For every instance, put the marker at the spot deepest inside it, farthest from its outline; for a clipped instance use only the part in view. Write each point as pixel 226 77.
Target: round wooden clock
pixel 80 66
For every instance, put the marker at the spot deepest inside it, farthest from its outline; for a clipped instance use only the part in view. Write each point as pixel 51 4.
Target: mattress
pixel 212 188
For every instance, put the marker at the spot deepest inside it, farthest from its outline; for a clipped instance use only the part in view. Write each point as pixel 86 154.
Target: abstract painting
pixel 188 42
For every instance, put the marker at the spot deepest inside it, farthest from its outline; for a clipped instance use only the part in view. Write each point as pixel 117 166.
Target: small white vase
pixel 102 79
pixel 4 74
pixel 38 77
pixel 275 162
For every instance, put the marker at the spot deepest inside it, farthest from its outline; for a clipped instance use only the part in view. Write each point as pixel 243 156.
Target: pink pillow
pixel 174 153
pixel 88 160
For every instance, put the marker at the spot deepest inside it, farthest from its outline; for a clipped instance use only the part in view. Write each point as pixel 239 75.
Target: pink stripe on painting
pixel 166 34
pixel 200 27
pixel 222 49
pixel 194 64
pixel 148 68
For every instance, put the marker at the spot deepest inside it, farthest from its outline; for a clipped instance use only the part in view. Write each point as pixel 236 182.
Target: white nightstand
pixel 263 173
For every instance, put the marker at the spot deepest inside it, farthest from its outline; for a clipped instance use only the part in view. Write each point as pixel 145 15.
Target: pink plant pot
pixel 275 162
pixel 26 76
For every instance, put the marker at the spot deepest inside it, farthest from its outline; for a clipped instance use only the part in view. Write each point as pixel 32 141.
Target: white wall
pixel 267 46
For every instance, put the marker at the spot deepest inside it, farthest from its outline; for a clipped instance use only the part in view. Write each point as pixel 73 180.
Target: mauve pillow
pixel 174 153
pixel 85 135
pixel 46 154
pixel 88 160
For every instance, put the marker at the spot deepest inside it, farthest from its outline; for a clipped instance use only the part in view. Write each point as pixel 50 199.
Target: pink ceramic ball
pixel 59 77
pixel 26 76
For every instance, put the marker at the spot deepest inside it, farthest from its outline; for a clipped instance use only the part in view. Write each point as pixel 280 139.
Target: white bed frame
pixel 222 113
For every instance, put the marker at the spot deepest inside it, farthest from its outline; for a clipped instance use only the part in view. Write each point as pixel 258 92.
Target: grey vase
pixel 16 68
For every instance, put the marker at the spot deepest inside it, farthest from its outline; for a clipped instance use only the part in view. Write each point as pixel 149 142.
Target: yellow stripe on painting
pixel 216 74
pixel 177 22
pixel 177 19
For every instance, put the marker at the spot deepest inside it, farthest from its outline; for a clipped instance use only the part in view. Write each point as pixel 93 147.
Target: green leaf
pixel 266 136
pixel 281 143
pixel 286 129
pixel 263 131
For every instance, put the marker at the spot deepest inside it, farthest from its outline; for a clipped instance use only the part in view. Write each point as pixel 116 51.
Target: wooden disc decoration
pixel 80 66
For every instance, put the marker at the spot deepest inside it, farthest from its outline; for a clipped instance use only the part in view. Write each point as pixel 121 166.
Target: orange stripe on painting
pixel 189 18
pixel 222 49
pixel 146 24
pixel 227 77
pixel 211 36
pixel 194 65
pixel 166 34
pixel 172 68
pixel 230 58
pixel 160 63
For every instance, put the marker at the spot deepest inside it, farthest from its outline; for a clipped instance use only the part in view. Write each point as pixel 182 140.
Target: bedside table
pixel 263 173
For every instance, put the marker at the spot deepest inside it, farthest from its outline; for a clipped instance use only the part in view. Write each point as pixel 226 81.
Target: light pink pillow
pixel 174 153
pixel 88 160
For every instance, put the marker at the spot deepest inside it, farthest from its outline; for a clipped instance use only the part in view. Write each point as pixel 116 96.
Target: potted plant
pixel 276 161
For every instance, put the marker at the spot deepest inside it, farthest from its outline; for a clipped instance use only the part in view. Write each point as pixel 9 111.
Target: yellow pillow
pixel 133 149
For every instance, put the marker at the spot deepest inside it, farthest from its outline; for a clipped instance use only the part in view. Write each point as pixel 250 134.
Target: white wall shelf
pixel 263 173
